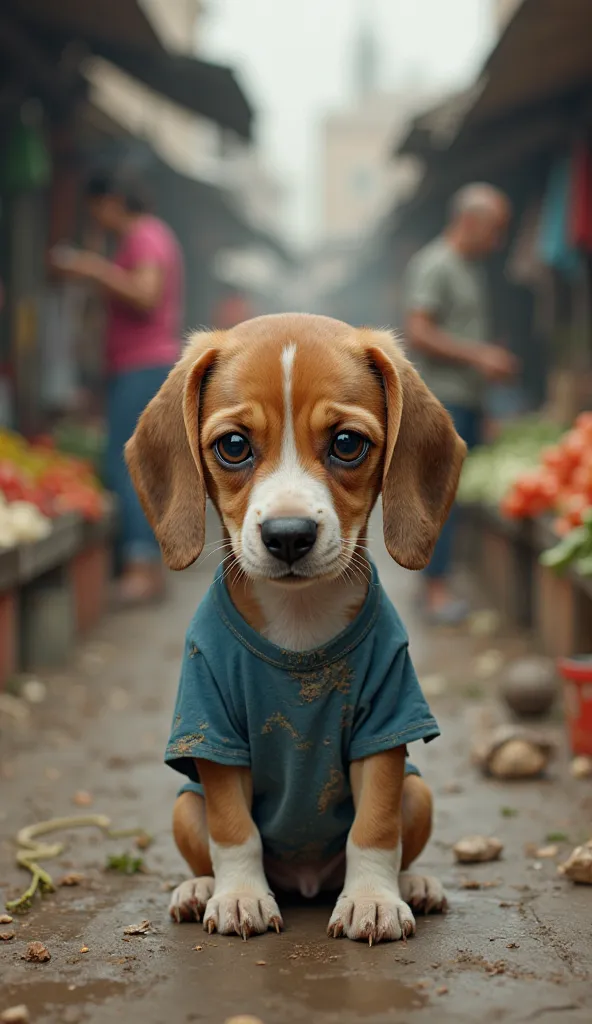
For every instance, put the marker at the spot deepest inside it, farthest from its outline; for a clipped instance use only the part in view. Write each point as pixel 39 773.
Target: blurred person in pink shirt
pixel 143 289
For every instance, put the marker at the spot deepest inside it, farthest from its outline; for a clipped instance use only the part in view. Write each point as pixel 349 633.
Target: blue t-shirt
pixel 297 720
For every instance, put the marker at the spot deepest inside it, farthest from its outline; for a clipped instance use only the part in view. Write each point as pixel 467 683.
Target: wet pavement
pixel 516 949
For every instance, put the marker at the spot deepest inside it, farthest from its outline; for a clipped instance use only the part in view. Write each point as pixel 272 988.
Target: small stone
pixel 137 929
pixel 578 866
pixel 85 949
pixel 7 936
pixel 143 841
pixel 547 852
pixel 198 948
pixel 5 919
pixel 260 963
pixel 442 991
pixel 513 945
pixel 477 849
pixel 36 953
pixel 581 767
pixel 15 1015
pixel 72 879
pixel 82 799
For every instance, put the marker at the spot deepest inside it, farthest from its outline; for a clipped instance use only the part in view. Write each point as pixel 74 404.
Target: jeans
pixel 127 396
pixel 468 425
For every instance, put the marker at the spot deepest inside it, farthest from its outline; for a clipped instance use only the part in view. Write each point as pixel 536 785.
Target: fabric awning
pixel 210 90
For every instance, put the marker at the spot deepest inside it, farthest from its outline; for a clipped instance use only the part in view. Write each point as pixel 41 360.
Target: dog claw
pixel 275 921
pixel 370 939
pixel 211 927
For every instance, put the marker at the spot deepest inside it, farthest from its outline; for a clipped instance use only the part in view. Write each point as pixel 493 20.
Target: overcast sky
pixel 294 58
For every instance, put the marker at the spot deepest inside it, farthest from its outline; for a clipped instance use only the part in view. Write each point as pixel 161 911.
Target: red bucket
pixel 577 677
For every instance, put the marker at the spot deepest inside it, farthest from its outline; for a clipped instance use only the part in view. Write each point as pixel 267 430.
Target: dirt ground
pixel 516 949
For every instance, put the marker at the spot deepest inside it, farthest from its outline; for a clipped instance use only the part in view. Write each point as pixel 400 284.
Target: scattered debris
pixel 530 686
pixel 547 852
pixel 508 812
pixel 578 866
pixel 137 929
pixel 476 849
pixel 15 1015
pixel 72 879
pixel 512 945
pixel 473 884
pixel 508 752
pixel 581 767
pixel 82 799
pixel 33 691
pixel 198 949
pixel 7 936
pixel 30 851
pixel 143 841
pixel 260 963
pixel 84 949
pixel 5 919
pixel 244 1018
pixel 442 991
pixel 125 863
pixel 36 953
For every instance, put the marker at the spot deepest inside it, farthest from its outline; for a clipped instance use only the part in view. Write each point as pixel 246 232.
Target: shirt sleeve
pixel 204 725
pixel 392 713
pixel 425 285
pixel 148 245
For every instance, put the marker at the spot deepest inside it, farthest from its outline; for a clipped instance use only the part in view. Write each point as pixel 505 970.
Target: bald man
pixel 448 332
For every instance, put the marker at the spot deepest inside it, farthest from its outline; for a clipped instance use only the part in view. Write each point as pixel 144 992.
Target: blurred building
pixel 360 180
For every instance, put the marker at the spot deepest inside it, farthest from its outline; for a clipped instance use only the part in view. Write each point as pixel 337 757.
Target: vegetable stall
pixel 56 528
pixel 527 506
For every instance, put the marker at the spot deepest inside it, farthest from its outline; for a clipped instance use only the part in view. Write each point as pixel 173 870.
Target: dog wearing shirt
pixel 298 697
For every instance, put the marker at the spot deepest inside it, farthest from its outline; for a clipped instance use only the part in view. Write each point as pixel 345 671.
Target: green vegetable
pixel 508 812
pixel 575 548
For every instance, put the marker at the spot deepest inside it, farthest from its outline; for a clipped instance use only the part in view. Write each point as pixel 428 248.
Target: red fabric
pixel 136 340
pixel 580 226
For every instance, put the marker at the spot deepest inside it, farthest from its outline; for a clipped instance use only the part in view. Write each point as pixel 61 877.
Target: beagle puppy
pixel 298 697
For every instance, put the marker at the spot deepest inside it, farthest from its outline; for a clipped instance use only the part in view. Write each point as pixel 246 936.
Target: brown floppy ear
pixel 423 458
pixel 164 461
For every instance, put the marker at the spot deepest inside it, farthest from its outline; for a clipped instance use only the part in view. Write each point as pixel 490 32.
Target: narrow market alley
pixel 514 946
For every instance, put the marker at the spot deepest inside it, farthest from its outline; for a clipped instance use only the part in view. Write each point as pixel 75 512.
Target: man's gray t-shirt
pixel 453 290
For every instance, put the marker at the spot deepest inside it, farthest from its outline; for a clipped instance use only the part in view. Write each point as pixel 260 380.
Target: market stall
pixel 56 530
pixel 527 503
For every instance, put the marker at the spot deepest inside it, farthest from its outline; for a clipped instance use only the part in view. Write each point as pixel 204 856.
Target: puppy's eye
pixel 233 450
pixel 349 448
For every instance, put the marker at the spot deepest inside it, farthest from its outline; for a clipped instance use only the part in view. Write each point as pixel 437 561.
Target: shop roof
pixel 120 31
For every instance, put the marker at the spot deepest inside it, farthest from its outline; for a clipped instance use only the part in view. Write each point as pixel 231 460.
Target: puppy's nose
pixel 289 538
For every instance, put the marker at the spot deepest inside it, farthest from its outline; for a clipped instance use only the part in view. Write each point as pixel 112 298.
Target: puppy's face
pixel 292 439
pixel 293 425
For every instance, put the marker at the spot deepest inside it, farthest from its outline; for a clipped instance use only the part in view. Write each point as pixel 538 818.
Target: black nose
pixel 288 538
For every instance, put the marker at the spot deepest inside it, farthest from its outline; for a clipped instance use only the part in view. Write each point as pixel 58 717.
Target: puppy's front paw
pixel 371 917
pixel 246 913
pixel 189 899
pixel 423 893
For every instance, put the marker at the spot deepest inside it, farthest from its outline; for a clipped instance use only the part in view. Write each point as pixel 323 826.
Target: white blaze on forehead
pixel 289 453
